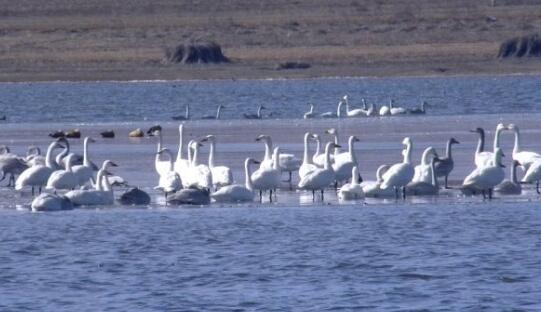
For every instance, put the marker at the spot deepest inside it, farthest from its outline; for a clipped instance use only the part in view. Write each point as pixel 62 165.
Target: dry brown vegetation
pixel 101 39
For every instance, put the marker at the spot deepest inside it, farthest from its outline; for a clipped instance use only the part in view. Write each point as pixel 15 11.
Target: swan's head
pixel 221 106
pixel 108 163
pixel 32 150
pixel 478 130
pixel 251 161
pixel 193 144
pixel 406 141
pixel 453 141
pixel 331 131
pixel 500 127
pixel 262 137
pixel 354 139
pixel 90 140
pixel 154 130
pixel 431 150
pixel 512 127
pixel 58 143
pixel 262 107
pixel 210 138
pixel 163 150
pixel 345 97
pixel 515 164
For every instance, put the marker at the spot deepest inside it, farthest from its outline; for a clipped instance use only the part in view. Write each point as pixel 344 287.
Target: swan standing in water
pixel 169 181
pixel 237 192
pixel 319 179
pixel 102 194
pixel 358 112
pixel 181 164
pixel 484 158
pixel 524 158
pixel 218 113
pixel 307 163
pixel 445 165
pixel 221 175
pixel 162 166
pixel 61 158
pixel 310 114
pixel 286 162
pixel 186 114
pixel 423 171
pixel 337 114
pixel 533 174
pixel 51 202
pixel 373 188
pixel 485 178
pixel 38 175
pixel 422 187
pixel 11 164
pixel 511 186
pixel 255 116
pixel 34 157
pixel 344 162
pixel 63 179
pixel 84 172
pixel 399 175
pixel 266 178
pixel 197 175
pixel 353 190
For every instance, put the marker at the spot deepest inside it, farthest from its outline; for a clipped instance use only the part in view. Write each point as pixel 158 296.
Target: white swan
pixel 373 188
pixel 319 157
pixel 353 190
pixel 423 171
pixel 237 192
pixel 422 187
pixel 162 166
pixel 485 178
pixel 286 162
pixel 399 175
pixel 266 178
pixel 319 179
pixel 38 175
pixel 358 112
pixel 307 163
pixel 63 179
pixel 533 174
pixel 255 116
pixel 336 114
pixel 524 158
pixel 51 202
pixel 484 158
pixel 344 162
pixel 218 113
pixel 334 133
pixel 11 164
pixel 310 114
pixel 169 181
pixel 512 186
pixel 102 194
pixel 197 175
pixel 396 110
pixel 385 110
pixel 84 172
pixel 221 175
pixel 34 157
pixel 181 164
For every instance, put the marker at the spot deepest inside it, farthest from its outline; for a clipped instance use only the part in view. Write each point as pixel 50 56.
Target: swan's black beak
pixel 257 162
pixel 337 145
pixel 113 164
pixel 501 165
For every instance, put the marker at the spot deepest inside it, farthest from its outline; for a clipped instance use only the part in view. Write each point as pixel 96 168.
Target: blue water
pixel 111 101
pixel 448 253
pixel 374 258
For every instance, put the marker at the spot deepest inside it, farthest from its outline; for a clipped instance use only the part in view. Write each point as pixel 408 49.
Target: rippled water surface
pixel 444 253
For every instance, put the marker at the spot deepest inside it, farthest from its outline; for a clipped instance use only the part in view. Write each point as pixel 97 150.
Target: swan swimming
pixel 310 114
pixel 38 175
pixel 320 178
pixel 353 190
pixel 237 192
pixel 396 110
pixel 358 112
pixel 399 175
pixel 418 111
pixel 186 114
pixel 218 113
pixel 337 114
pixel 221 175
pixel 255 116
pixel 485 178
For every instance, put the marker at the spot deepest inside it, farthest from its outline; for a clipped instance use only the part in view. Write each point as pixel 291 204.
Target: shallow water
pixel 448 252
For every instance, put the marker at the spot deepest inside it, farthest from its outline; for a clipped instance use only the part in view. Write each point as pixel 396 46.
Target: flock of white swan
pixel 72 180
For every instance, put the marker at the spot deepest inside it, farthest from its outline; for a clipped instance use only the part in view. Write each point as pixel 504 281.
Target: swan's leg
pixel 395 192
pixel 260 196
pixel 446 186
pixel 537 187
pixel 484 194
pixel 32 190
pixel 403 192
pixel 335 185
pixel 313 195
pixel 40 189
pixel 489 193
pixel 322 197
pixel 270 196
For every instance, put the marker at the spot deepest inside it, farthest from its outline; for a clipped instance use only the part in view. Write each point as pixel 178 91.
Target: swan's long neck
pixel 364 103
pixel 268 148
pixel 195 155
pixel 336 151
pixel 407 155
pixel 276 156
pixel 106 185
pixel 61 155
pixel 481 143
pixel 306 158
pixel 49 156
pixel 355 176
pixel 171 162
pixel 157 159
pixel 327 164
pixel 448 149
pixel 68 163
pixel 339 109
pixel 99 176
pixel 211 153
pixel 390 104
pixel 86 162
pixel 424 158
pixel 318 147
pixel 352 150
pixel 347 105
pixel 497 139
pixel 187 115
pixel 516 148
pixel 311 109
pixel 190 156
pixel 259 111
pixel 180 142
pixel 218 111
pixel 379 174
pixel 433 174
pixel 249 184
